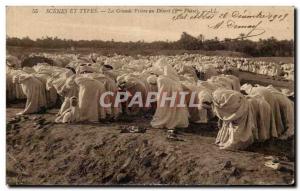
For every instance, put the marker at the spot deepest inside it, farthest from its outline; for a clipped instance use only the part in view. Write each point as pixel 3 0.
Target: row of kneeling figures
pixel 262 114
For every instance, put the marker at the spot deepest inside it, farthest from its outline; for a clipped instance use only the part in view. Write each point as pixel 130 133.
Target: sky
pixel 104 24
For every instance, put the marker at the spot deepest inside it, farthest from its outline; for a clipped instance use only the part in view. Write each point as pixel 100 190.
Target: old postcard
pixel 150 95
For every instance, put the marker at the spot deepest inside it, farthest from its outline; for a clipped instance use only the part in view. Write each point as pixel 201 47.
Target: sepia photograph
pixel 150 96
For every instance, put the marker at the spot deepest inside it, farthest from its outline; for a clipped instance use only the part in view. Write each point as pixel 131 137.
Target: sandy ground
pixel 94 154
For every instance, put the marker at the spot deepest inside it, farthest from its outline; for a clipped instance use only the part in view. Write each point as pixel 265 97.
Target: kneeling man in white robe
pixel 169 115
pixel 70 115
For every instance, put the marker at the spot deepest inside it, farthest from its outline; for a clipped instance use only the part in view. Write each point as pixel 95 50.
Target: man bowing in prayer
pixel 168 114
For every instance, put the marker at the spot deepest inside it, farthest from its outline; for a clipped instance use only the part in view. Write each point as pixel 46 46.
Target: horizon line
pixel 141 40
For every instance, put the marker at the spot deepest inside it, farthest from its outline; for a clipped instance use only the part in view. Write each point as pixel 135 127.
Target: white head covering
pixel 84 68
pixel 171 73
pixel 247 88
pixel 152 79
pixel 28 70
pixel 287 92
pixel 160 63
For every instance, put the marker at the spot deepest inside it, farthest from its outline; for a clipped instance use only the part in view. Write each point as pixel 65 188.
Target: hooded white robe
pixel 262 117
pixel 238 127
pixel 34 91
pixel 277 126
pixel 14 90
pixel 66 88
pixel 203 98
pixel 70 115
pixel 235 82
pixel 166 116
pixel 110 86
pixel 287 112
pixel 152 81
pixel 134 85
pixel 90 91
pixel 51 94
